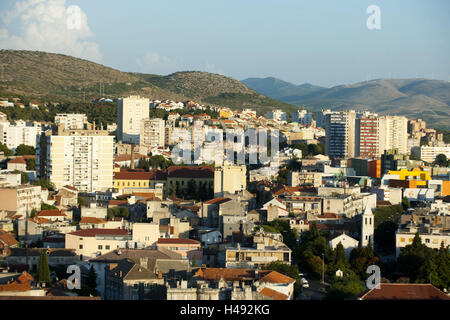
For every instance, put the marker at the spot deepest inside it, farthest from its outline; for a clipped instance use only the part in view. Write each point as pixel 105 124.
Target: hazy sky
pixel 321 42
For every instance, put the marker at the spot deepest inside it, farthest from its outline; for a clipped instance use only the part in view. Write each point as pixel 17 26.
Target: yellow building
pixel 128 182
pixel 418 176
pixel 229 178
pixel 225 113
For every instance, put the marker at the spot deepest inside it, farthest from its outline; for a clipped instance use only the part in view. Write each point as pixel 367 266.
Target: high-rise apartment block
pixel 277 115
pixel 366 136
pixel 72 120
pixel 320 117
pixel 79 158
pixel 340 134
pixel 302 116
pixel 152 133
pixel 130 112
pixel 13 134
pixel 393 134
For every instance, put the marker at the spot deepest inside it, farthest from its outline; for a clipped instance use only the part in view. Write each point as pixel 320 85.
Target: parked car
pixel 304 283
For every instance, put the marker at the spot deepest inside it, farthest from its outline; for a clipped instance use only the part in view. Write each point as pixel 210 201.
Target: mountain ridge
pixel 415 98
pixel 57 77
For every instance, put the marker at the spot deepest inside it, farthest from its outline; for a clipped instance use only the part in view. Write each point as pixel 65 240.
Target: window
pixel 107 247
pixel 402 239
pixel 100 247
pixel 81 246
pixel 427 240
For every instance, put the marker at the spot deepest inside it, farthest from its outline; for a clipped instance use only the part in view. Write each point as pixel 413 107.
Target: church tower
pixel 367 227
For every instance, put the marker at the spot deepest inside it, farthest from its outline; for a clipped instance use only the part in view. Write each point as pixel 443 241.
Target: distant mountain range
pixel 49 77
pixel 413 98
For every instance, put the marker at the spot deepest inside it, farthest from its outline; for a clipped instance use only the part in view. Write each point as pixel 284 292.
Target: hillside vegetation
pixel 48 77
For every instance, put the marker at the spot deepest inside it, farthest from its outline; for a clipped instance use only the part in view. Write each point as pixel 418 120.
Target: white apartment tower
pixel 152 133
pixel 130 112
pixel 302 116
pixel 79 158
pixel 393 134
pixel 13 134
pixel 71 120
pixel 340 134
pixel 367 227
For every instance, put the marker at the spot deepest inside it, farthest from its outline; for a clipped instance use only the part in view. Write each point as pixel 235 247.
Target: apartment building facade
pixel 152 133
pixel 340 134
pixel 79 158
pixel 130 112
pixel 21 199
pixel 19 132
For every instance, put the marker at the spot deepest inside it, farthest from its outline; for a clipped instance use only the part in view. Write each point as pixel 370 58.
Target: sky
pixel 323 42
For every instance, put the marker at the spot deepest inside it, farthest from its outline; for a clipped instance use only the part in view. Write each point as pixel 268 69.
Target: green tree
pixel 413 258
pixel 31 164
pixel 3 148
pixel 23 150
pixel 441 160
pixel 282 177
pixel 316 266
pixel 443 266
pixel 344 288
pixel 361 258
pixel 24 177
pixel 33 213
pixel 92 280
pixel 44 183
pixel 81 201
pixel 43 270
pixel 45 206
pixel 385 237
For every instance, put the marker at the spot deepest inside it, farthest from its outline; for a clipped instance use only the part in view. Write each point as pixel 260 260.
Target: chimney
pixel 132 156
pixel 143 262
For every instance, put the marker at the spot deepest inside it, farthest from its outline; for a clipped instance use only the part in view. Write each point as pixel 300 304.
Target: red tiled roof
pixel 92 220
pixel 329 215
pixel 190 172
pixel 39 220
pixel 70 188
pixel 50 213
pixel 274 295
pixel 7 238
pixel 217 201
pixel 276 277
pixel 154 174
pixel 94 232
pixel 177 241
pixel 402 291
pixel 242 274
pixel 116 202
pixel 291 190
pixel 126 157
pixel 20 160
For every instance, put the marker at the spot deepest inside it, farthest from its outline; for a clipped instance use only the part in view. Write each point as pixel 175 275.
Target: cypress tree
pixel 44 270
pixel 92 280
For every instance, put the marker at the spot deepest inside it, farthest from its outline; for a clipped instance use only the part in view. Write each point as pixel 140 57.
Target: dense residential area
pixel 179 200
